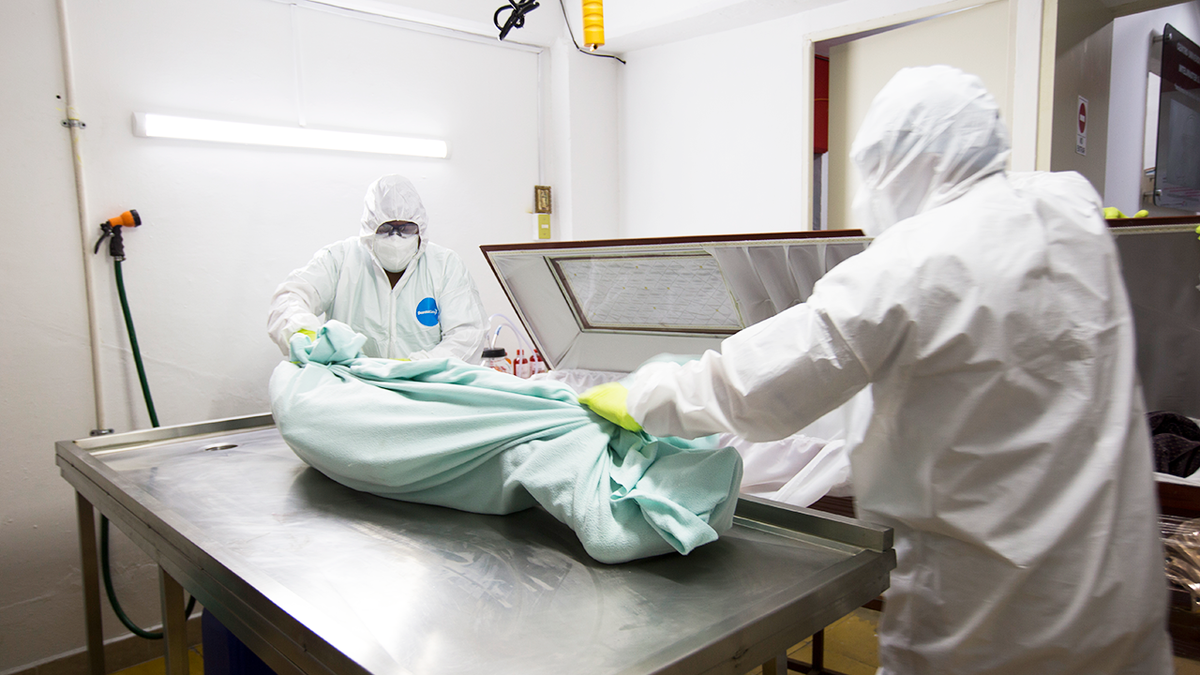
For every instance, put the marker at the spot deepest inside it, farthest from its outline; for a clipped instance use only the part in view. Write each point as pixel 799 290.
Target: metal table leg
pixel 817 667
pixel 90 568
pixel 174 624
pixel 777 665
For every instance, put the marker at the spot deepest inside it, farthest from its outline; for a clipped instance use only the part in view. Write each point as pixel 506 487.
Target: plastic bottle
pixel 536 364
pixel 521 364
pixel 497 359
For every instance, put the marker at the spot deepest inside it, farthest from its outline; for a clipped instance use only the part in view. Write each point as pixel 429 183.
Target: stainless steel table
pixel 318 578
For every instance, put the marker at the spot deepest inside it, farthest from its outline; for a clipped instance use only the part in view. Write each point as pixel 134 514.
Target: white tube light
pixel 154 125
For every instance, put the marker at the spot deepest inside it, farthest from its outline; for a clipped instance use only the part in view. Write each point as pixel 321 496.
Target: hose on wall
pixel 112 231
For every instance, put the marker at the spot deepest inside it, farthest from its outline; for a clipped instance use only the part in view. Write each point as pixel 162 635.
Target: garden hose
pixel 112 228
pixel 133 343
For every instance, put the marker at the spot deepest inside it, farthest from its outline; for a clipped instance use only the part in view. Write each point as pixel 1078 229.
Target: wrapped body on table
pixel 443 432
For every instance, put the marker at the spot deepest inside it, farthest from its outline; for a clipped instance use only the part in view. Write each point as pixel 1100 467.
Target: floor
pixel 849 650
pixel 849 645
pixel 159 666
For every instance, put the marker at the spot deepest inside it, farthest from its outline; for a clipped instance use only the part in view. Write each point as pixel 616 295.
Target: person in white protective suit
pixel 1006 442
pixel 411 298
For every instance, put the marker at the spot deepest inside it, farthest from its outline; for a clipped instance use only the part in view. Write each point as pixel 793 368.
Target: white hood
pixel 929 135
pixel 391 198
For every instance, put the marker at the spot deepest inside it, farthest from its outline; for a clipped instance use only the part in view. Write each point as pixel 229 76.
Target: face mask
pixel 394 252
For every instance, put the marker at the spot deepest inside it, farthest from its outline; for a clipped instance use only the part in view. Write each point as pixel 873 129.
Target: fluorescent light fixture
pixel 154 125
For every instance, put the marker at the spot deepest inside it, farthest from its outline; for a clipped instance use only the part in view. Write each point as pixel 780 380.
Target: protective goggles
pixel 401 227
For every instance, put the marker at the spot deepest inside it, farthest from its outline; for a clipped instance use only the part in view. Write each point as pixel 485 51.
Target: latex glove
pixel 312 337
pixel 608 401
pixel 1114 212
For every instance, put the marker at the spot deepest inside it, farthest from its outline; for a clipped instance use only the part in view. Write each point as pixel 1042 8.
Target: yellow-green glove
pixel 608 401
pixel 311 335
pixel 1114 212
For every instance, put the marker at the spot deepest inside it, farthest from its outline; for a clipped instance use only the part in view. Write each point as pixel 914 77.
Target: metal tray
pixel 318 578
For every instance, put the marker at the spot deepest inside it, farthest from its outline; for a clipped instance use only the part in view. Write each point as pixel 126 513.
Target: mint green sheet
pixel 447 433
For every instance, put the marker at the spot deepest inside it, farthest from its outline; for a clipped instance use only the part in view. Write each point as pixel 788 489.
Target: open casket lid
pixel 612 304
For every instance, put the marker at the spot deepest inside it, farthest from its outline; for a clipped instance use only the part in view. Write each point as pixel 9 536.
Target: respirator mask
pixel 394 251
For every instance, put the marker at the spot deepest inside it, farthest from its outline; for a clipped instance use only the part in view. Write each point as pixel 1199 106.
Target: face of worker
pixel 395 244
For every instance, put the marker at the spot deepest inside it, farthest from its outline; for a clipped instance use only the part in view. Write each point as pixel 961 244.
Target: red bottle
pixel 521 364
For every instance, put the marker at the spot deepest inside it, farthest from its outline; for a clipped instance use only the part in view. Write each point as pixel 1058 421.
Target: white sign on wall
pixel 1081 128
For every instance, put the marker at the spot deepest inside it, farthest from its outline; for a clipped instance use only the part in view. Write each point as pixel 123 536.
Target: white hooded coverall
pixel 434 311
pixel 1007 445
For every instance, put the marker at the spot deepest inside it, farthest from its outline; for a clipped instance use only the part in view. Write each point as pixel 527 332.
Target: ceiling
pixel 628 24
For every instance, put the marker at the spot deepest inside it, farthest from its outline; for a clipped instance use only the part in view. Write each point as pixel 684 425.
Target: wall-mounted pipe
pixel 74 127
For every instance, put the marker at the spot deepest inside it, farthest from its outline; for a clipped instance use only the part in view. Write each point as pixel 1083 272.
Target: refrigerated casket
pixel 595 310
pixel 318 578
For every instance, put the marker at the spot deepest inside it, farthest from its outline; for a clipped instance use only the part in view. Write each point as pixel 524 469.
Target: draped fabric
pixel 442 432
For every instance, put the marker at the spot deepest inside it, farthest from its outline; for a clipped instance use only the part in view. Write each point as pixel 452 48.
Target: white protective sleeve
pixel 302 298
pixel 769 380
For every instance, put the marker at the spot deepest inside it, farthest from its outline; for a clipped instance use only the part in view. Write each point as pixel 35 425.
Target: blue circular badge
pixel 427 312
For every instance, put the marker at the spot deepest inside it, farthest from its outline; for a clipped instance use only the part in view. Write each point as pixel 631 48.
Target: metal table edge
pixel 178 431
pixel 849 531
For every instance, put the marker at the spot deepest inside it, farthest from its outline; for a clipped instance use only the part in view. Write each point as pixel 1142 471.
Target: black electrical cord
pixel 516 19
pixel 117 250
pixel 581 49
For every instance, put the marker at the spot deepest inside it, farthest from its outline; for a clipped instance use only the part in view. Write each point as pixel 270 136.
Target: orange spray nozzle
pixel 111 230
pixel 128 219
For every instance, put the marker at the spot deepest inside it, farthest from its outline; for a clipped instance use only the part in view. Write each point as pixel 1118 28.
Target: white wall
pixel 710 136
pixel 45 388
pixel 1127 108
pixel 223 225
pixel 585 103
pixel 974 40
pixel 713 127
